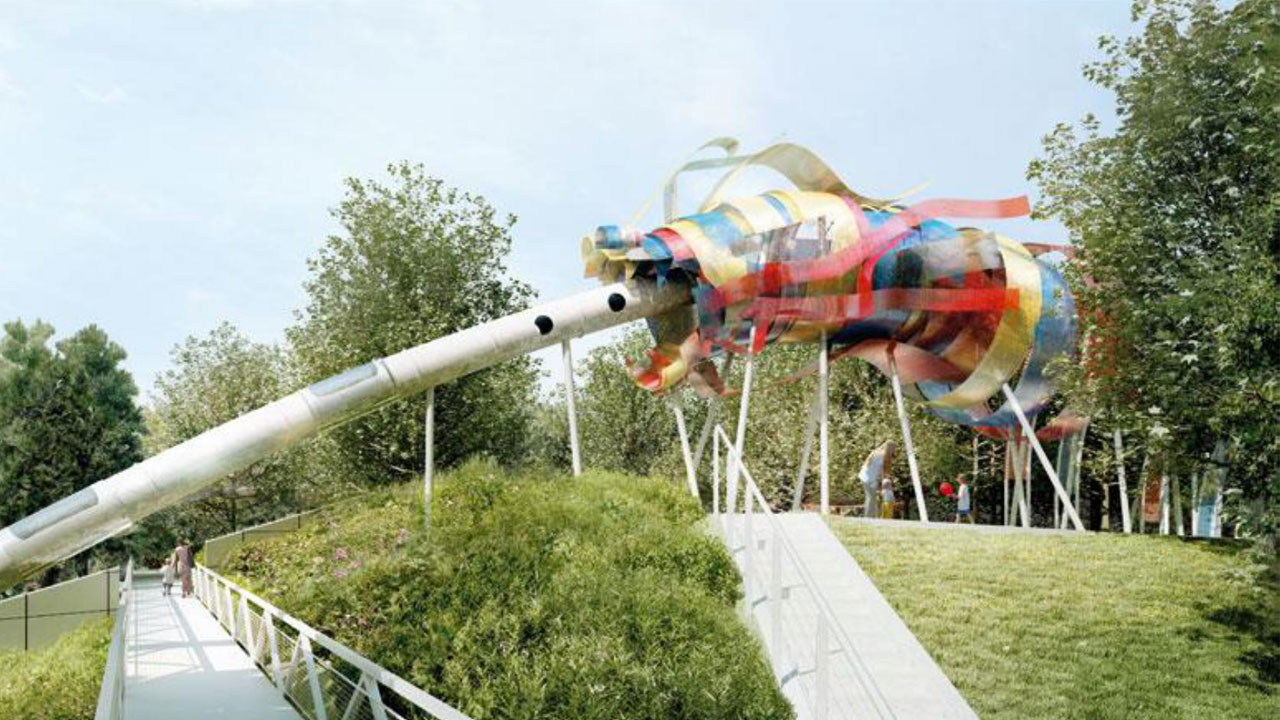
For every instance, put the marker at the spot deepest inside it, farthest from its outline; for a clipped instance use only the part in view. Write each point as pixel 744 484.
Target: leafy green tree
pixel 622 426
pixel 67 418
pixel 216 378
pixel 1173 215
pixel 416 260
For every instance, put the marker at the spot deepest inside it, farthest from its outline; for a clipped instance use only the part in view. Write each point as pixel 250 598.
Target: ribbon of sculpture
pixel 961 311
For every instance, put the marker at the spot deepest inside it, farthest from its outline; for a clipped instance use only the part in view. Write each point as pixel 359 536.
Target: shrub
pixel 59 682
pixel 536 596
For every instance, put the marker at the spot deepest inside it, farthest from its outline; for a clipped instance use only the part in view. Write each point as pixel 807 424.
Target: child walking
pixel 167 580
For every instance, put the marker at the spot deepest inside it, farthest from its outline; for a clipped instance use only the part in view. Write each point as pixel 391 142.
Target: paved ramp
pixel 892 675
pixel 180 663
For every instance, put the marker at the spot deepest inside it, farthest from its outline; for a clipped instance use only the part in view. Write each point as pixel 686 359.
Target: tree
pixel 216 378
pixel 622 426
pixel 1173 216
pixel 67 418
pixel 416 260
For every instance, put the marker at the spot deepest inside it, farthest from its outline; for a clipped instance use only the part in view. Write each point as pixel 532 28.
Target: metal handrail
pixel 288 652
pixel 828 623
pixel 111 694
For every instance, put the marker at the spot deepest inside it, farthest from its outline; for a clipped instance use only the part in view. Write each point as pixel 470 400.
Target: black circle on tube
pixel 544 324
pixel 617 302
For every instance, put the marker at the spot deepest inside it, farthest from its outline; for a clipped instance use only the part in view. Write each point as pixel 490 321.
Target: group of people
pixel 178 566
pixel 877 486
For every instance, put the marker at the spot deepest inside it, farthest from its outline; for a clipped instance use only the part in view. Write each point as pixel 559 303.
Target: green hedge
pixel 536 597
pixel 59 682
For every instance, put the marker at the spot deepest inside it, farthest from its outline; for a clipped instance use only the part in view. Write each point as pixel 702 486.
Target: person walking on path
pixel 964 508
pixel 183 553
pixel 167 580
pixel 886 498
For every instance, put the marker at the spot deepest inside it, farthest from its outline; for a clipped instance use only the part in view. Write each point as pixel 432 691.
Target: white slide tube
pixel 111 506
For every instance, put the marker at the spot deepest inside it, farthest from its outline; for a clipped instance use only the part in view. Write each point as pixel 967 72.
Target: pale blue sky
pixel 166 166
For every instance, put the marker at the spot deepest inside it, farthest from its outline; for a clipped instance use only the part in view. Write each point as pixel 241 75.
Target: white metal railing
pixel 310 669
pixel 787 608
pixel 111 694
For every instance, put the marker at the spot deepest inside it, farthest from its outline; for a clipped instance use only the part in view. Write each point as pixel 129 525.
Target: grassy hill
pixel 533 597
pixel 1092 626
pixel 59 682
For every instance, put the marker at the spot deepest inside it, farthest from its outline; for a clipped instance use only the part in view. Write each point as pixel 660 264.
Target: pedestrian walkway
pixel 892 676
pixel 181 664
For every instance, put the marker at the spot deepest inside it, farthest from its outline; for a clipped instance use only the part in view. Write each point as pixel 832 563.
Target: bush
pixel 538 596
pixel 60 682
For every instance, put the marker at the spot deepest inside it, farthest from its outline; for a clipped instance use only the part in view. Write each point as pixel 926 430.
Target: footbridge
pixel 224 653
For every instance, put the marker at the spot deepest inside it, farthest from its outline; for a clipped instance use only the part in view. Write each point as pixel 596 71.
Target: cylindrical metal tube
pixel 111 506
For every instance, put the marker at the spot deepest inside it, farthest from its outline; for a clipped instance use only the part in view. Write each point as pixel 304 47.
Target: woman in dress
pixel 184 566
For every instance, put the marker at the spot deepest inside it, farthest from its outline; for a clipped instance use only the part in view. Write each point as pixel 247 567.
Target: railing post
pixel 821 671
pixel 824 465
pixel 273 647
pixel 313 680
pixel 375 698
pixel 249 644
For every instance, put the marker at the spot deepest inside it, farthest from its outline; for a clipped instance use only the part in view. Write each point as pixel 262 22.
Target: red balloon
pixel 946 489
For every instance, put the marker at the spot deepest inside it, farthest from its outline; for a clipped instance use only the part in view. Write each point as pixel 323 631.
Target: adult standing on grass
pixel 183 553
pixel 964 508
pixel 886 498
pixel 873 470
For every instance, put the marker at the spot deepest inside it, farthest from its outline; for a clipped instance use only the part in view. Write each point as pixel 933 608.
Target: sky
pixel 166 166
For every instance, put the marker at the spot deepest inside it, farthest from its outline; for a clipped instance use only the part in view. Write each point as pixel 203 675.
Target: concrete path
pixel 892 676
pixel 180 663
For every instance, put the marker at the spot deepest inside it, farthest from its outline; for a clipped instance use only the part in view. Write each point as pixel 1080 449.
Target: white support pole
pixel 715 475
pixel 1021 512
pixel 690 473
pixel 429 457
pixel 906 440
pixel 1164 504
pixel 1216 527
pixel 1125 517
pixel 1008 464
pixel 731 493
pixel 567 348
pixel 1044 459
pixel 1177 506
pixel 824 477
pixel 809 427
pixel 1077 466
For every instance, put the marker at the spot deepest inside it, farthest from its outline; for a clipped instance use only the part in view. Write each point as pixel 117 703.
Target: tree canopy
pixel 1173 217
pixel 416 260
pixel 67 415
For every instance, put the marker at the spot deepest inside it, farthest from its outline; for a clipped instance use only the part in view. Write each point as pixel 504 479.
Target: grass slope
pixel 59 682
pixel 1097 626
pixel 536 597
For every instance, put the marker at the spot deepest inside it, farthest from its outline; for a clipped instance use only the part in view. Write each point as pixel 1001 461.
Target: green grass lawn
pixel 59 682
pixel 1092 626
pixel 533 596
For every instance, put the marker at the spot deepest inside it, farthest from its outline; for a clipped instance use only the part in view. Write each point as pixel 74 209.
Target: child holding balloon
pixel 964 509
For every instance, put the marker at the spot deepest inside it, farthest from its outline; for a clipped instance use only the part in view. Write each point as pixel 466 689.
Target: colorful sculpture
pixel 958 310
